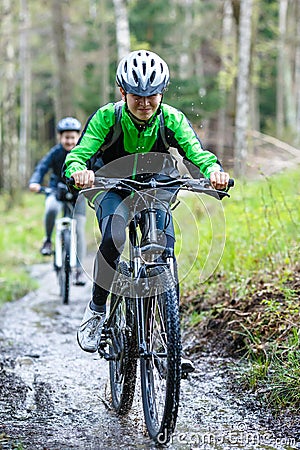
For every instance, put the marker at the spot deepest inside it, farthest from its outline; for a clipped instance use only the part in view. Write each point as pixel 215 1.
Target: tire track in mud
pixel 53 396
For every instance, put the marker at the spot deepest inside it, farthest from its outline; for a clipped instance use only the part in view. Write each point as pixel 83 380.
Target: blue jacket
pixel 54 161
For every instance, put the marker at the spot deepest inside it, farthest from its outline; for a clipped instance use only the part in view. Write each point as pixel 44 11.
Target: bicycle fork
pixel 143 289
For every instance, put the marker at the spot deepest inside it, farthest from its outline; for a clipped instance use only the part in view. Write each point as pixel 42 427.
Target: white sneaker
pixel 89 332
pixel 187 366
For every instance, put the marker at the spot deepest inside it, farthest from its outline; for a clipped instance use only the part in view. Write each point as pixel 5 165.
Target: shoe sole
pixel 84 349
pixel 186 368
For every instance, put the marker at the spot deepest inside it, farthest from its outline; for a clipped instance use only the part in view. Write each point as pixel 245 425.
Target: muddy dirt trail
pixel 53 396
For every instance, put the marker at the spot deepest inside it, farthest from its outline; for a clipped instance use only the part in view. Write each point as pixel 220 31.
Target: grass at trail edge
pixel 249 307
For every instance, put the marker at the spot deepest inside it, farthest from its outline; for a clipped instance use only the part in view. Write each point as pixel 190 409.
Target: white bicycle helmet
pixel 143 73
pixel 68 124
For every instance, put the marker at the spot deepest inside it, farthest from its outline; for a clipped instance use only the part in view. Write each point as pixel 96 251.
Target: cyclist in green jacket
pixel 142 77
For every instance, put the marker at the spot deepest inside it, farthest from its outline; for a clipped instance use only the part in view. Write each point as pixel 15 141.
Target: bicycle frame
pixel 62 224
pixel 139 265
pixel 66 222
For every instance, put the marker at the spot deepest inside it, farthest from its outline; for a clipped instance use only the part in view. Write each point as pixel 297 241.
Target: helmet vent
pixel 152 76
pixel 144 68
pixel 135 76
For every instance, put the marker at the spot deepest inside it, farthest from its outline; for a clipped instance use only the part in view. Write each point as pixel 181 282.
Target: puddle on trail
pixel 53 396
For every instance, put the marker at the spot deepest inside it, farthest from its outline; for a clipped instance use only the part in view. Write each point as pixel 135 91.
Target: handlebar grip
pixel 70 181
pixel 45 190
pixel 230 183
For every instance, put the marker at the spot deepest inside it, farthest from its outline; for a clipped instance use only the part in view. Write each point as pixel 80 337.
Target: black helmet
pixel 143 73
pixel 68 124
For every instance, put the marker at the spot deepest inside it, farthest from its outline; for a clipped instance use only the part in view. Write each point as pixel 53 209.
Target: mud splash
pixel 53 396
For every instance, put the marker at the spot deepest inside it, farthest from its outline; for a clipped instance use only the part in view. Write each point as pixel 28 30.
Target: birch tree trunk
pixel 25 94
pixel 9 120
pixel 185 65
pixel 243 81
pixel 122 28
pixel 280 68
pixel 104 55
pixel 1 96
pixel 297 72
pixel 254 116
pixel 62 80
pixel 290 66
pixel 226 55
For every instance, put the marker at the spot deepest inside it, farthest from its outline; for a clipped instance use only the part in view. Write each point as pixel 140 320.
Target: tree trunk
pixel 281 68
pixel 242 99
pixel 297 72
pixel 122 28
pixel 62 79
pixel 104 55
pixel 25 94
pixel 254 120
pixel 226 55
pixel 185 65
pixel 11 180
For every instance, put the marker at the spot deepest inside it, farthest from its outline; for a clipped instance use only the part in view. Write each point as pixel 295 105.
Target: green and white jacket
pixel 97 143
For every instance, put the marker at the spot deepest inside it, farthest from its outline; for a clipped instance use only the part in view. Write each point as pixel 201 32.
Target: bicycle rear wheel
pixel 161 364
pixel 65 270
pixel 123 365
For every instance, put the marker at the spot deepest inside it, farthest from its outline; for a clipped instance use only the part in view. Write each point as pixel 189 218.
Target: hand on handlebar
pixel 219 180
pixel 34 187
pixel 84 178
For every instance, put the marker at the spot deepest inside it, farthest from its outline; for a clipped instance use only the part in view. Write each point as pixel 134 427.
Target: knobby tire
pixel 65 271
pixel 161 367
pixel 123 366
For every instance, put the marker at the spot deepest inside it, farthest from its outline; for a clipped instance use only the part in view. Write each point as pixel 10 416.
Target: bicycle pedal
pixel 104 355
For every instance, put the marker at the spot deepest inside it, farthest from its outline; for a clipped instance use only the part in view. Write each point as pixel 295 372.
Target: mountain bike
pixel 64 255
pixel 143 322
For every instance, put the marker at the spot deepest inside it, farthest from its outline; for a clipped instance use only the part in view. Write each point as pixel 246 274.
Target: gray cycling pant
pixel 53 207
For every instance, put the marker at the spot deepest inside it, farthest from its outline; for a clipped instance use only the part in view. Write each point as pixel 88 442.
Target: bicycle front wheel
pixel 65 270
pixel 161 363
pixel 123 353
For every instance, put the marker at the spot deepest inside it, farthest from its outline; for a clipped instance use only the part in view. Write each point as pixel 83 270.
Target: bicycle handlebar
pixel 201 185
pixel 45 190
pixel 67 197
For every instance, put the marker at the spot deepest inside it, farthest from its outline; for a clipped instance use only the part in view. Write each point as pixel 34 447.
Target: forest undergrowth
pixel 249 307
